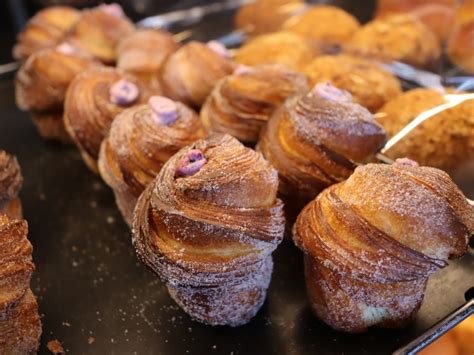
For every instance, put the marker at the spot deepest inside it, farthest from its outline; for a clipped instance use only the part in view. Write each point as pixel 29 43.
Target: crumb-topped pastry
pixel 461 40
pixel 208 224
pixel 11 181
pixel 371 242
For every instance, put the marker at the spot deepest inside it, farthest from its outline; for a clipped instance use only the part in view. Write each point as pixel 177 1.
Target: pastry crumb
pixel 55 347
pixel 90 340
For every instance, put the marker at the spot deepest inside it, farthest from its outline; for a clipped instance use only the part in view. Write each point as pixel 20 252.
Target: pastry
pixel 461 40
pixel 99 30
pixel 316 140
pixel 46 29
pixel 20 326
pixel 143 52
pixel 324 23
pixel 266 16
pixel 242 103
pixel 140 141
pixel 402 38
pixel 93 100
pixel 282 47
pixel 444 141
pixel 370 85
pixel 371 242
pixel 10 186
pixel 41 84
pixel 190 73
pixel 207 225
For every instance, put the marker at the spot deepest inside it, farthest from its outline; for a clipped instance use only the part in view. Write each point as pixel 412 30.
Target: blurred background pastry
pixel 242 103
pixel 11 181
pixel 461 40
pixel 141 140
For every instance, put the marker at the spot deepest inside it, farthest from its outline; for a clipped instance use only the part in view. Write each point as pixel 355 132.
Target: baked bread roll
pixel 402 38
pixel 324 23
pixel 140 141
pixel 10 186
pixel 461 40
pixel 99 30
pixel 282 47
pixel 20 326
pixel 207 225
pixel 143 52
pixel 93 100
pixel 370 85
pixel 444 141
pixel 190 73
pixel 266 16
pixel 371 242
pixel 46 29
pixel 242 103
pixel 316 140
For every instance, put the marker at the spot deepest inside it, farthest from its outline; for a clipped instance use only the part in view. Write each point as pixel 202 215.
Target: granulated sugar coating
pixel 209 236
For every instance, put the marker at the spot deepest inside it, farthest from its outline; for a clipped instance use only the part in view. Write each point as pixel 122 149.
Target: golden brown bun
pixel 89 110
pixel 371 243
pixel 400 37
pixel 314 142
pixel 190 74
pixel 461 40
pixel 137 147
pixel 143 52
pixel 242 103
pixel 444 141
pixel 47 28
pixel 266 16
pixel 11 181
pixel 324 23
pixel 98 32
pixel 50 126
pixel 370 85
pixel 42 81
pixel 209 234
pixel 283 47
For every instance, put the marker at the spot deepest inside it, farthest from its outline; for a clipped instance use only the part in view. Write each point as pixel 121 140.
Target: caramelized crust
pixel 451 129
pixel 282 47
pixel 89 111
pixel 10 185
pixel 314 143
pixel 210 235
pixel 369 84
pixel 371 243
pixel 242 103
pixel 400 37
pixel 137 147
pixel 190 73
pixel 47 28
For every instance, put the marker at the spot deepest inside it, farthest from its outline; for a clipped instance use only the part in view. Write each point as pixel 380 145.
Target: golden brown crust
pixel 452 129
pixel 324 23
pixel 266 16
pixel 371 242
pixel 461 40
pixel 47 28
pixel 369 84
pixel 137 147
pixel 282 47
pixel 210 235
pixel 190 73
pixel 242 103
pixel 143 52
pixel 400 37
pixel 314 143
pixel 98 32
pixel 89 111
pixel 11 179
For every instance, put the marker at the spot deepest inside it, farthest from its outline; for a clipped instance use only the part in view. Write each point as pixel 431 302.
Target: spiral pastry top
pixel 371 242
pixel 140 141
pixel 190 73
pixel 242 103
pixel 93 100
pixel 10 178
pixel 316 140
pixel 143 52
pixel 208 225
pixel 99 30
pixel 47 28
pixel 370 85
pixel 42 81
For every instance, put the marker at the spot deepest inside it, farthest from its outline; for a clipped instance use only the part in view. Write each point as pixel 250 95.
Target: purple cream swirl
pixel 190 163
pixel 123 92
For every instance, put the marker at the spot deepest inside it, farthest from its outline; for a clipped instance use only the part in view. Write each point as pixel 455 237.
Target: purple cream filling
pixel 190 163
